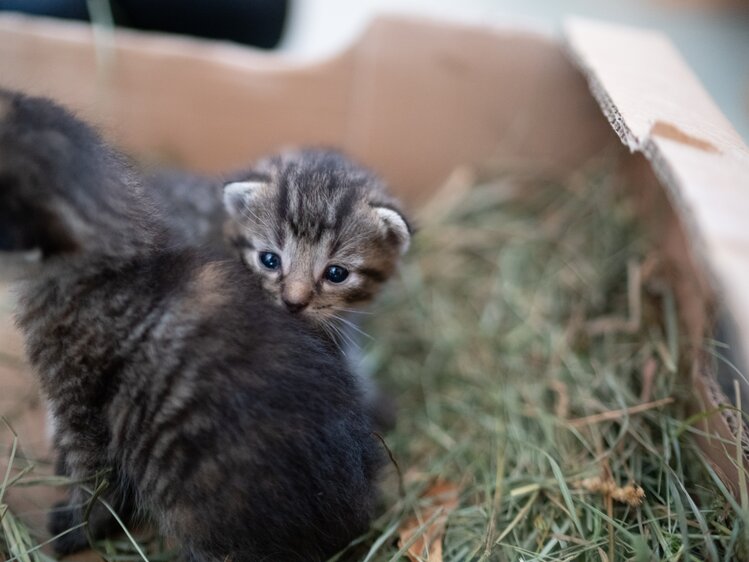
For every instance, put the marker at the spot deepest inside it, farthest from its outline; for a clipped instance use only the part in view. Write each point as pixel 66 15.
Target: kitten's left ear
pixel 396 227
pixel 238 195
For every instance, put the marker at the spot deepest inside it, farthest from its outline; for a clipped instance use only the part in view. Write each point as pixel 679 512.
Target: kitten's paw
pixel 63 518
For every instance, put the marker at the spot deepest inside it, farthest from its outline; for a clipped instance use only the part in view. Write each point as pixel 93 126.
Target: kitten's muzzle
pixel 295 306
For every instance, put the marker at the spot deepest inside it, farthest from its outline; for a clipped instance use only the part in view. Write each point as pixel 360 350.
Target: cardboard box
pixel 414 99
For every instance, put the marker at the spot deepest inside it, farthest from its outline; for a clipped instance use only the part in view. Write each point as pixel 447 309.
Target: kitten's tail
pixel 63 190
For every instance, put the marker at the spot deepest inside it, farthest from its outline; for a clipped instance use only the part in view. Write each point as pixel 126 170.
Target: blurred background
pixel 713 35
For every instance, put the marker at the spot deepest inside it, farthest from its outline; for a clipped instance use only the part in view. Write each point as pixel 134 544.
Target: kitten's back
pixel 289 424
pixel 227 410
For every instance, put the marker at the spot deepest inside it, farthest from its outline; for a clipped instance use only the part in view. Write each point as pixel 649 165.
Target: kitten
pixel 168 372
pixel 321 230
pixel 324 235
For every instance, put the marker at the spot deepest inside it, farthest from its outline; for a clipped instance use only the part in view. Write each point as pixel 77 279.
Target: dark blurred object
pixel 730 368
pixel 258 23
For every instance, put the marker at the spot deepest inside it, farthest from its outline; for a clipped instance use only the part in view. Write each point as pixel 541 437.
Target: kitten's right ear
pixel 396 226
pixel 238 195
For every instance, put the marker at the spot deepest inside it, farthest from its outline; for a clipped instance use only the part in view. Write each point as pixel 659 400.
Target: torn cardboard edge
pixel 677 137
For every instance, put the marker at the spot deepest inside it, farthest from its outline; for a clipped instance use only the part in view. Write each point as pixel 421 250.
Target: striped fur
pixel 313 207
pixel 168 372
pixel 316 208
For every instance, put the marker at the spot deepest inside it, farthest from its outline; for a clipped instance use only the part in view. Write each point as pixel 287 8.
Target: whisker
pixel 345 337
pixel 353 311
pixel 353 326
pixel 327 329
pixel 346 341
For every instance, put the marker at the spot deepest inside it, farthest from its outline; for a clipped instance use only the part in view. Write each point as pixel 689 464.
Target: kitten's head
pixel 320 230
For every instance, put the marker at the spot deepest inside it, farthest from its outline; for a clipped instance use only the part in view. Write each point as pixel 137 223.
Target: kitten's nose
pixel 296 295
pixel 295 306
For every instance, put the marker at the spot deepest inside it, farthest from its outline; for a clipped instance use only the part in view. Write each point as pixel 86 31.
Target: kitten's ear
pixel 238 195
pixel 396 227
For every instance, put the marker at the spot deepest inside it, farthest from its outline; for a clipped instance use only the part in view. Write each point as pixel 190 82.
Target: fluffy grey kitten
pixel 168 372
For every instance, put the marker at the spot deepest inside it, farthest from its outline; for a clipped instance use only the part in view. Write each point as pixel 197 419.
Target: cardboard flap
pixel 658 107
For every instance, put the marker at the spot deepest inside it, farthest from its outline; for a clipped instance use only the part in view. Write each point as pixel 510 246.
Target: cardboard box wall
pixel 414 99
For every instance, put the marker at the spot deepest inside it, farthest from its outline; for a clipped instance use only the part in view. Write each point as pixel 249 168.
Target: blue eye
pixel 270 260
pixel 336 274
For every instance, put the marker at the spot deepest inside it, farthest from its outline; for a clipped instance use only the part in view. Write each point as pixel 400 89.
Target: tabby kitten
pixel 168 372
pixel 321 231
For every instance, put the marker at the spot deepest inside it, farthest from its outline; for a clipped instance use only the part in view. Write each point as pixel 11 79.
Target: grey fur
pixel 191 205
